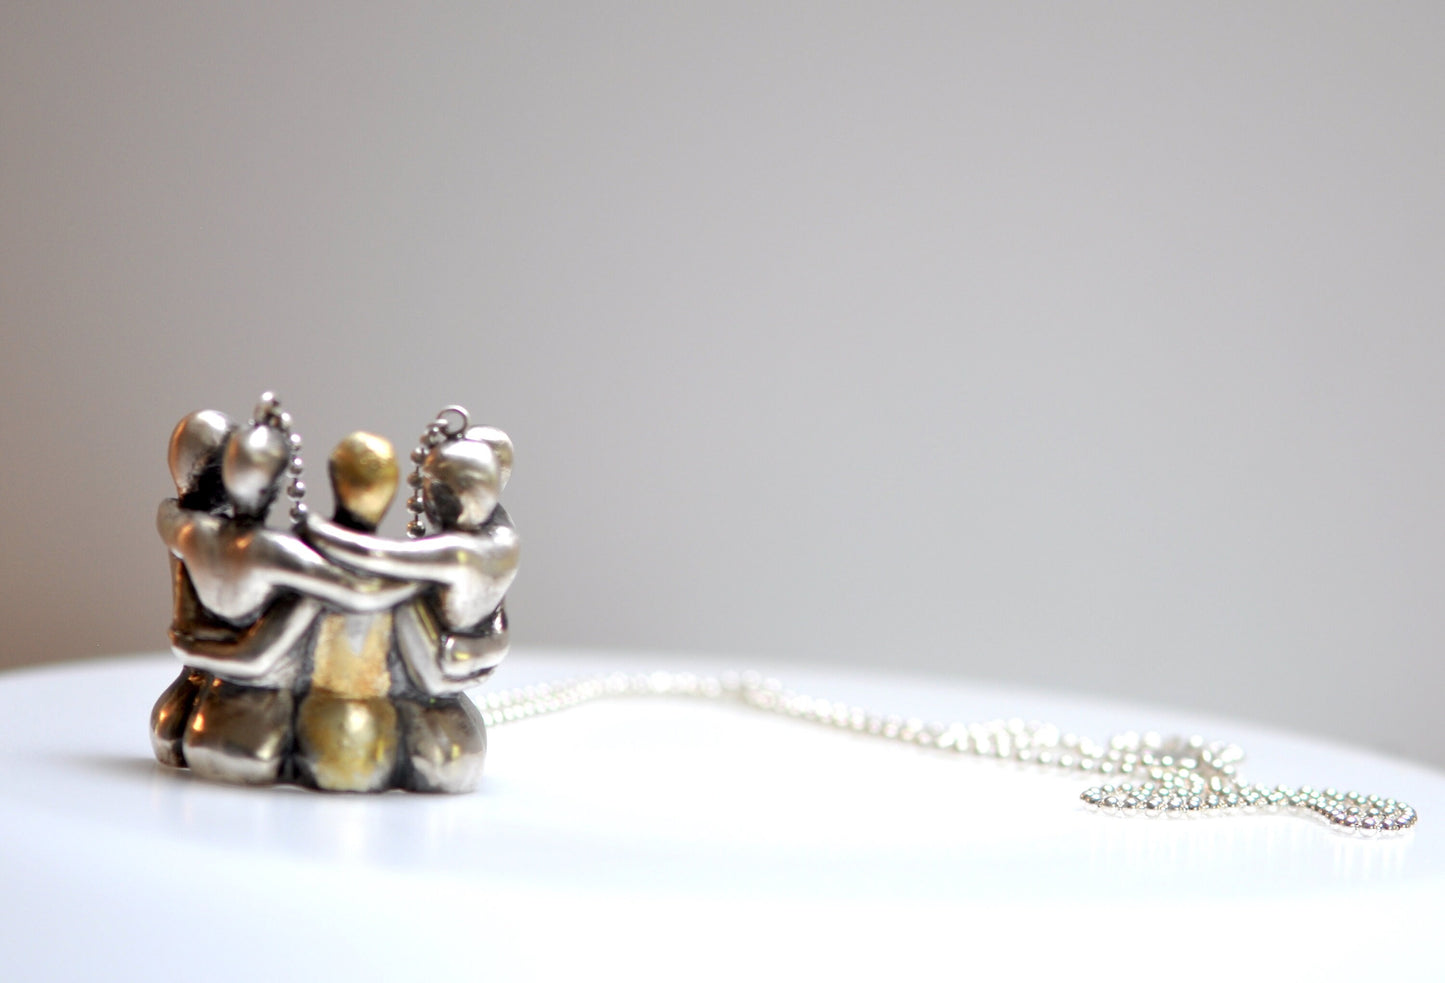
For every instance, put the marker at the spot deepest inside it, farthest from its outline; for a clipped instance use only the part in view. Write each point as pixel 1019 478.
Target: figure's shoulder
pixel 173 521
pixel 495 544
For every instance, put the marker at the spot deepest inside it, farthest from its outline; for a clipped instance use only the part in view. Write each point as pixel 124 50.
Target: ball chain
pixel 268 413
pixel 449 424
pixel 1147 773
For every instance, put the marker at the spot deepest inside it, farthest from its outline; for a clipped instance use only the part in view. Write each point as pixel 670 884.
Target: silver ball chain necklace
pixel 1140 773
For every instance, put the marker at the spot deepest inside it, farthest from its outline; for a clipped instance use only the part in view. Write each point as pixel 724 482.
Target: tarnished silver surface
pixel 195 448
pixel 445 742
pixel 290 650
pixel 172 713
pixel 251 468
pixel 460 483
pixel 264 654
pixel 442 662
pixel 239 733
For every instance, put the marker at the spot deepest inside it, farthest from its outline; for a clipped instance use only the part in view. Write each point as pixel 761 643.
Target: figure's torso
pixel 351 655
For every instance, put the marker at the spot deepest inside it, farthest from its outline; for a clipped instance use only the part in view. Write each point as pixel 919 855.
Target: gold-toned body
pixel 346 735
pixel 345 744
pixel 346 727
pixel 350 656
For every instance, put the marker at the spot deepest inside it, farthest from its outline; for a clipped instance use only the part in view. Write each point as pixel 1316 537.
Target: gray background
pixel 1089 346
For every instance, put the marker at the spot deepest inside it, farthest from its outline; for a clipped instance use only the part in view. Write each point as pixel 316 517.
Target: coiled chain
pixel 1148 773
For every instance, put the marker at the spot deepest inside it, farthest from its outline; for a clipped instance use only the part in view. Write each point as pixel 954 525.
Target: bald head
pixel 194 456
pixel 363 472
pixel 461 481
pixel 251 468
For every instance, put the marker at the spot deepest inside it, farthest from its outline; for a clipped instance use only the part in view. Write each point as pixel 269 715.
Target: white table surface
pixel 675 840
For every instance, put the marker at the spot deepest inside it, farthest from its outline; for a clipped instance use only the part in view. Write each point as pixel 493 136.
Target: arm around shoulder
pixel 432 559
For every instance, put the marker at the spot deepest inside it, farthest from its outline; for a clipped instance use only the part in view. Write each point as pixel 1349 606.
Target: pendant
pixel 323 654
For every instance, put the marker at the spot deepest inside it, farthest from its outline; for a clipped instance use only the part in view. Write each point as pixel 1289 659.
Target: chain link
pixel 1147 773
pixel 268 413
pixel 449 424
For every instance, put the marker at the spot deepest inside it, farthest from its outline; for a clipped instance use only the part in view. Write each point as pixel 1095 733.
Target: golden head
pixel 363 478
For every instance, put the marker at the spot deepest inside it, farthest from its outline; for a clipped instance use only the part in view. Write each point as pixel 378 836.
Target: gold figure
pixel 347 744
pixel 350 655
pixel 363 473
pixel 346 726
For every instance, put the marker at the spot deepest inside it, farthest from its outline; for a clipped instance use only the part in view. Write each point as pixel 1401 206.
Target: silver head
pixel 195 448
pixel 256 456
pixel 460 482
pixel 501 446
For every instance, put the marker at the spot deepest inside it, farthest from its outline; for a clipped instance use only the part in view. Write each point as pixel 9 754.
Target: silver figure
pixel 319 669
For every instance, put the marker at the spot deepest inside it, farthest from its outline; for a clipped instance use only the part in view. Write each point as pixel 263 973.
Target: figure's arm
pixel 257 654
pixel 433 559
pixel 295 565
pixel 472 654
pixel 441 662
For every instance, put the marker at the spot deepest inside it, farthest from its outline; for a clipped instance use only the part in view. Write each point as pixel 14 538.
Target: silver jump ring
pixel 458 415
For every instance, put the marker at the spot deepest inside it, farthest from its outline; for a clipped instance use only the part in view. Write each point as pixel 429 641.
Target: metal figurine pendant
pixel 328 656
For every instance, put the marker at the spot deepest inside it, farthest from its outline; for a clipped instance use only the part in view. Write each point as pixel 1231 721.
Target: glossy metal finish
pixel 195 447
pixel 251 468
pixel 363 473
pixel 345 744
pixel 262 654
pixel 442 662
pixel 460 482
pixel 238 568
pixel 445 742
pixel 471 570
pixel 319 666
pixel 239 734
pixel 172 713
pixel 256 605
pixel 501 446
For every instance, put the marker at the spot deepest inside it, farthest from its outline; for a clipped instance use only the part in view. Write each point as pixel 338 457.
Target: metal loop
pixel 459 415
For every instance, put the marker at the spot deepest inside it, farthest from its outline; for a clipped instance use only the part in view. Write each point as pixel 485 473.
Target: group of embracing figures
pixel 328 656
